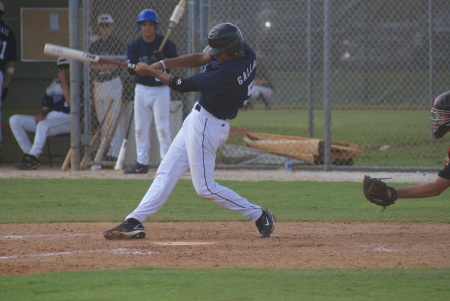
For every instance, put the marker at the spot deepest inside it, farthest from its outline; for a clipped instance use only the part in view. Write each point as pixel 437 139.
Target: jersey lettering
pixel 250 87
pixel 2 52
pixel 246 73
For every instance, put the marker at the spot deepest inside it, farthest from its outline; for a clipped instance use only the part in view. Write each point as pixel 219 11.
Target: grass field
pixel 405 132
pixel 60 200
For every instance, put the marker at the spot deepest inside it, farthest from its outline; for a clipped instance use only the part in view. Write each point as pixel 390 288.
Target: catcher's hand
pixel 376 191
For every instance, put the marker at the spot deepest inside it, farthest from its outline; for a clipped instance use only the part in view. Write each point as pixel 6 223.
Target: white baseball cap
pixel 105 19
pixel 63 61
pixel 2 7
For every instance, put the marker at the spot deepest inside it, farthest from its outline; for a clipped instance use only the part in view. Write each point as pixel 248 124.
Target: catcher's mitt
pixel 376 191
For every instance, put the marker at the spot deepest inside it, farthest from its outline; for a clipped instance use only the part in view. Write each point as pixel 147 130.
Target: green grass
pixel 150 283
pixel 407 132
pixel 74 200
pixel 63 200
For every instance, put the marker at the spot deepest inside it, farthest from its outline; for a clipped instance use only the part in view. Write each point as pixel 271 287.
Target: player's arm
pixel 63 75
pixel 42 114
pixel 9 74
pixel 434 188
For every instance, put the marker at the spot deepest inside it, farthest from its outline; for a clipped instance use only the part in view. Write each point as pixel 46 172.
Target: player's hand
pixel 143 69
pixel 158 55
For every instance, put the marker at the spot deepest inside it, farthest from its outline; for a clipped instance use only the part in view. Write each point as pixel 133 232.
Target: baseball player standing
pixel 224 85
pixel 152 97
pixel 8 58
pixel 107 90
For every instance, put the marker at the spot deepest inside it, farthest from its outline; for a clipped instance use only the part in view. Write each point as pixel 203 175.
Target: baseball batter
pixel 8 58
pixel 152 97
pixel 224 85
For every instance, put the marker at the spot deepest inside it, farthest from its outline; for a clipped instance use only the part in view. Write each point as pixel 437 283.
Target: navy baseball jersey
pixel 110 46
pixel 226 86
pixel 54 98
pixel 8 46
pixel 140 51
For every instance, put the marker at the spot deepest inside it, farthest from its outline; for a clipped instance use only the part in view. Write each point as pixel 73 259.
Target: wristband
pixel 10 70
pixel 162 63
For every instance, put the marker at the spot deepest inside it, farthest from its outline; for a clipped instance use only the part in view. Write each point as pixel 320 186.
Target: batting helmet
pixel 224 37
pixel 440 115
pixel 147 15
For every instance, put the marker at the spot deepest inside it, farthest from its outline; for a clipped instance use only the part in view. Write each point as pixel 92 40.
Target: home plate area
pixel 44 248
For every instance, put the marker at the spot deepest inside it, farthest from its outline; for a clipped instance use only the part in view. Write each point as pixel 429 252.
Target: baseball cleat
pixel 138 168
pixel 28 162
pixel 130 229
pixel 265 223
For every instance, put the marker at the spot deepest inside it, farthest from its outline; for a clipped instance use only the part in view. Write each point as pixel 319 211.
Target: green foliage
pixel 59 200
pixel 150 283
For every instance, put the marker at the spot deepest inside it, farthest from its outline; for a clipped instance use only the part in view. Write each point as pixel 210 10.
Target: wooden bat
pixel 111 130
pixel 66 163
pixel 123 148
pixel 87 155
pixel 56 50
pixel 176 16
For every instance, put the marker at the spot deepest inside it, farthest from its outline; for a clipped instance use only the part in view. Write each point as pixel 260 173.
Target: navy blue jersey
pixel 110 46
pixel 54 98
pixel 8 48
pixel 140 51
pixel 226 86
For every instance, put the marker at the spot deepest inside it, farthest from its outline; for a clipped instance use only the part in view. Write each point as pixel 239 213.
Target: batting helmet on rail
pixel 440 115
pixel 147 15
pixel 224 37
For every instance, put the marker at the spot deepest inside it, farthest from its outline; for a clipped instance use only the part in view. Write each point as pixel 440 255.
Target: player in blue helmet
pixel 147 15
pixel 151 98
pixel 225 84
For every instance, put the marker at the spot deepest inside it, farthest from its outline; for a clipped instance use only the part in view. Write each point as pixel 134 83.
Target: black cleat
pixel 138 168
pixel 130 229
pixel 28 162
pixel 265 223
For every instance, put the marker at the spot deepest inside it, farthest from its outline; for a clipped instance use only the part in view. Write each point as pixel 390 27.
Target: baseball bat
pixel 87 155
pixel 66 163
pixel 123 148
pixel 174 19
pixel 111 130
pixel 56 50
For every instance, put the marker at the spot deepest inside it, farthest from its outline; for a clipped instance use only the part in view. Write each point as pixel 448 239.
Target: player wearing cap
pixel 107 85
pixel 224 85
pixel 53 119
pixel 152 97
pixel 8 58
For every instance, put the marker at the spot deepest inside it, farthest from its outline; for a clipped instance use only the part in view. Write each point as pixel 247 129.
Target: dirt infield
pixel 43 248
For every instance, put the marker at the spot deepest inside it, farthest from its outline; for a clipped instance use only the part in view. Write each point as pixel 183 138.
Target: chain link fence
pixel 345 84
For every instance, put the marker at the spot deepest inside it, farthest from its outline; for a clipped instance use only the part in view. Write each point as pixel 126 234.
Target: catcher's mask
pixel 224 37
pixel 440 115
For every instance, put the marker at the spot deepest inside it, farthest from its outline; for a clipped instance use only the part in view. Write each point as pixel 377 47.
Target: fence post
pixel 75 137
pixel 327 84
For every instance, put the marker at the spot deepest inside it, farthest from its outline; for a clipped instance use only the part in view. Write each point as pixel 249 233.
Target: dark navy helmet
pixel 224 37
pixel 147 15
pixel 440 115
